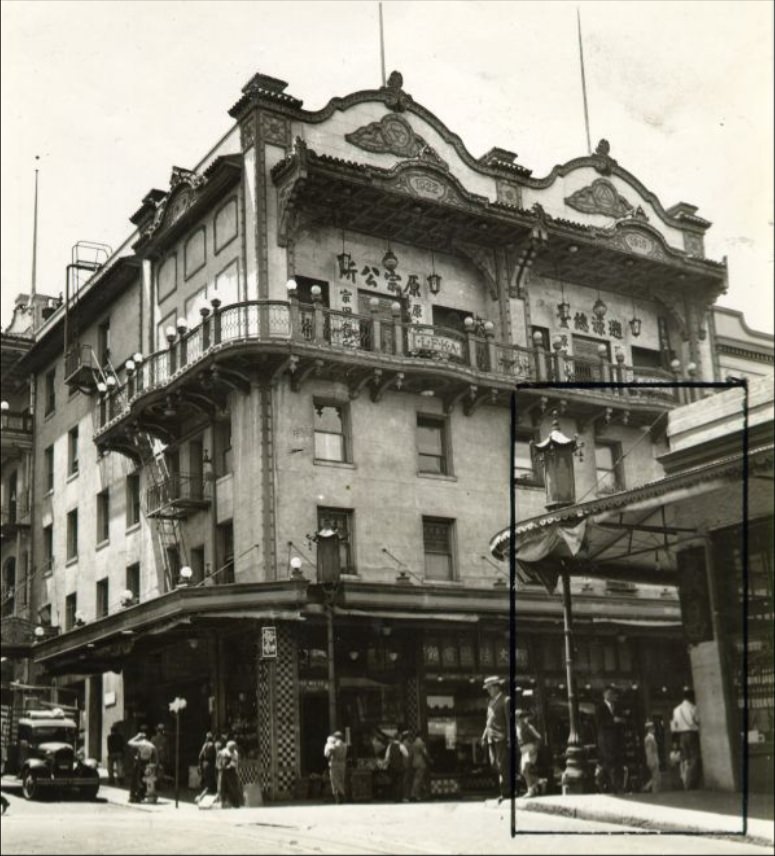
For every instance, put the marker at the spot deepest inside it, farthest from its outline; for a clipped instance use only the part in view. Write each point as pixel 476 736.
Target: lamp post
pixel 176 705
pixel 557 452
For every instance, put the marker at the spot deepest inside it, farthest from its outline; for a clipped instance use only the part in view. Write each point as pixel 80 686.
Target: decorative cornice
pixel 600 197
pixel 392 134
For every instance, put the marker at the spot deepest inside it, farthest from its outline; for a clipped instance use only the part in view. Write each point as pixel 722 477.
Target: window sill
pixel 321 462
pixel 133 527
pixel 71 561
pixel 72 476
pixel 436 476
pixel 222 478
pixel 103 543
pixel 529 483
pixel 443 583
pixel 48 572
pixel 49 492
pixel 49 415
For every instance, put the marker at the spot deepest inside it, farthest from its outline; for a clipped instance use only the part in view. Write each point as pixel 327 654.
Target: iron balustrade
pixel 283 321
pixel 11 420
pixel 177 489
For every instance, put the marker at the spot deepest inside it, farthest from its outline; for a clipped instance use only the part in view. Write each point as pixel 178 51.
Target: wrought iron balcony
pixel 15 426
pixel 178 496
pixel 81 368
pixel 366 352
pixel 14 515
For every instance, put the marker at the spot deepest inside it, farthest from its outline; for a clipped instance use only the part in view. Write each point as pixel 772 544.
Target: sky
pixel 110 95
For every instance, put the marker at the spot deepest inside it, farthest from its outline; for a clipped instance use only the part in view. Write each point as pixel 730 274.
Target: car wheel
pixel 30 788
pixel 89 793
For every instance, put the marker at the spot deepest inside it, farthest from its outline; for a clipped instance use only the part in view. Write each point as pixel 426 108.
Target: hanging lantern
pixel 563 310
pixel 344 259
pixel 599 309
pixel 389 260
pixel 635 324
pixel 434 279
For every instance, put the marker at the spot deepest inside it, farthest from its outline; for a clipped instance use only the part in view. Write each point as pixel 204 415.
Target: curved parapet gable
pixel 497 163
pixel 604 193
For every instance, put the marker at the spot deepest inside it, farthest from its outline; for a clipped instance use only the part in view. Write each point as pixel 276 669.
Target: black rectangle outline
pixel 587 385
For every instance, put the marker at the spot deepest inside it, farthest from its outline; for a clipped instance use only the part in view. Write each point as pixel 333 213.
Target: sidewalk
pixel 702 812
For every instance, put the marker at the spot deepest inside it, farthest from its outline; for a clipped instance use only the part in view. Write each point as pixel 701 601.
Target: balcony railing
pixel 19 423
pixel 178 495
pixel 267 321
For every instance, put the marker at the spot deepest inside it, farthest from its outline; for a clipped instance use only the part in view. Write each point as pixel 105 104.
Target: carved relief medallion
pixel 393 135
pixel 508 193
pixel 274 129
pixel 600 197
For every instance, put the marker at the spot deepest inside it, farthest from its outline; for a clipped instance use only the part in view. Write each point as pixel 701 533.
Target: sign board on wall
pixel 109 698
pixel 269 642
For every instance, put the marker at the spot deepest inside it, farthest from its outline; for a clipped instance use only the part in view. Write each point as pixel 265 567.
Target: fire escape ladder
pixel 167 530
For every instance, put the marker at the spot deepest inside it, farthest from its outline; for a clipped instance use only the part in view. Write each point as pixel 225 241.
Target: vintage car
pixel 46 759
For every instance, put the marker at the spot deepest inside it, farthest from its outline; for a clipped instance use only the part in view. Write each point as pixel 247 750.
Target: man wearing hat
pixel 335 752
pixel 685 726
pixel 610 742
pixel 496 735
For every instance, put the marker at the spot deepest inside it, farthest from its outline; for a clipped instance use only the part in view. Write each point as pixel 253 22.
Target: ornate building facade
pixel 319 329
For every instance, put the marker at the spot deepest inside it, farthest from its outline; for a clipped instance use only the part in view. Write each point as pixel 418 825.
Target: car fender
pixel 34 765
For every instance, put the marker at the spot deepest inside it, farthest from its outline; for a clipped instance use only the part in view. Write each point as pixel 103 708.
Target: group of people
pixel 406 762
pixel 684 726
pixel 218 765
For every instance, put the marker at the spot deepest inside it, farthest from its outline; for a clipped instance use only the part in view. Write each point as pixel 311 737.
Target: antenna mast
pixel 35 237
pixel 583 82
pixel 382 45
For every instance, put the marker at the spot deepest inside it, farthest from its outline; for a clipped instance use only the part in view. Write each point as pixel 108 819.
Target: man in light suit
pixel 497 733
pixel 610 743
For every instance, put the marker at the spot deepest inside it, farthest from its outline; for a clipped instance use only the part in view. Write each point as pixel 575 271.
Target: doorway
pixel 314 731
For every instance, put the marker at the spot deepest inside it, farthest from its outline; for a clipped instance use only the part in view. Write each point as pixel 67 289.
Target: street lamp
pixel 557 451
pixel 176 706
pixel 185 576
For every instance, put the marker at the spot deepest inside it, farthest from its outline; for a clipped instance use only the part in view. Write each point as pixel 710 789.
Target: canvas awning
pixel 626 535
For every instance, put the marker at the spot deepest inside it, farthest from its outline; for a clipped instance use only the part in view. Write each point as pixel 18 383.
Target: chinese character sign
pixel 269 642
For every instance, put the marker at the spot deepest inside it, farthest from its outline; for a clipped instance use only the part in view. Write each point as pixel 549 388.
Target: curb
pixel 646 824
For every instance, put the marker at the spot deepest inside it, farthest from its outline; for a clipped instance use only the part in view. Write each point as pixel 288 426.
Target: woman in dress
pixel 207 771
pixel 231 792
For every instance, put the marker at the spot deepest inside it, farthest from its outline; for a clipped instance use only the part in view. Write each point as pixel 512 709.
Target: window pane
pixel 429 440
pixel 523 458
pixel 329 447
pixel 438 567
pixel 604 457
pixel 328 418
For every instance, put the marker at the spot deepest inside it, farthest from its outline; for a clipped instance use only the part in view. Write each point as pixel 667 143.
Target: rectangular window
pixel 225 554
pixel 173 565
pixel 646 358
pixel 222 450
pixel 437 543
pixel 48 547
pixel 330 426
pixel 51 400
pixel 341 520
pixel 72 534
pixel 432 455
pixel 197 565
pixel 102 598
pixel 133 580
pixel 71 605
pixel 103 516
pixel 103 342
pixel 72 451
pixel 608 467
pixel 527 469
pixel 49 465
pixel 132 499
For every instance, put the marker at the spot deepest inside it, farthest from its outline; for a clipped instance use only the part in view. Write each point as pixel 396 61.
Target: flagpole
pixel 382 45
pixel 583 82
pixel 35 237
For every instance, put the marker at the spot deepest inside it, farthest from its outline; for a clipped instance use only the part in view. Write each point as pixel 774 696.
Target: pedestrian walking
pixel 393 763
pixel 610 742
pixel 231 790
pixel 162 744
pixel 144 768
pixel 3 801
pixel 651 751
pixel 529 741
pixel 220 762
pixel 116 749
pixel 206 762
pixel 496 735
pixel 406 752
pixel 685 726
pixel 335 752
pixel 420 763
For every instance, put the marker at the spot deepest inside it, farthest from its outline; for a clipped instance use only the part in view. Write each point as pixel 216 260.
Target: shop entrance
pixel 314 731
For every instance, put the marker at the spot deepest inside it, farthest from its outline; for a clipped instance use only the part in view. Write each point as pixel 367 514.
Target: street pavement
pixel 112 825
